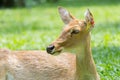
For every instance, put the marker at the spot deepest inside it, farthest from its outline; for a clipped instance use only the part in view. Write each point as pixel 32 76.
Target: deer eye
pixel 75 32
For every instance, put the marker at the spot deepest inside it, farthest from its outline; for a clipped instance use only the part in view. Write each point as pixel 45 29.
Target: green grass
pixel 35 28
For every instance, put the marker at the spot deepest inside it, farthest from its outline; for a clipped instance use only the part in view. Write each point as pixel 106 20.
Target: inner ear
pixel 65 15
pixel 89 17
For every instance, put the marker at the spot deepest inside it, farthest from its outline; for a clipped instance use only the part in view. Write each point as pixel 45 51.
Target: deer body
pixel 35 65
pixel 39 65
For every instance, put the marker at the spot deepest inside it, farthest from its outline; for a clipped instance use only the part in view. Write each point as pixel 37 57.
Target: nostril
pixel 50 48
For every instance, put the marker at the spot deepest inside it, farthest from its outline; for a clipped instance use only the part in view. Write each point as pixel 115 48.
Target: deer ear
pixel 65 15
pixel 89 17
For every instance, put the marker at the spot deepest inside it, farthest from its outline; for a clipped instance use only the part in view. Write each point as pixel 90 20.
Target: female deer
pixel 75 38
pixel 38 65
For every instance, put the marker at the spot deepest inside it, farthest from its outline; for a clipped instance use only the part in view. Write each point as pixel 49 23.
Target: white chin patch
pixel 72 49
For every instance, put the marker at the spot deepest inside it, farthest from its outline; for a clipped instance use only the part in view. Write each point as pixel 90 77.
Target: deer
pixel 58 61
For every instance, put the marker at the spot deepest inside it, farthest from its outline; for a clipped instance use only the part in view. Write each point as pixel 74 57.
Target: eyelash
pixel 74 32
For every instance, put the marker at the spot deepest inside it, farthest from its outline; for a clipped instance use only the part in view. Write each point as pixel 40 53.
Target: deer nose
pixel 50 48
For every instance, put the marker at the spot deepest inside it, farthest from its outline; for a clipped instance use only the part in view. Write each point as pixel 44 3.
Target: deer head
pixel 73 32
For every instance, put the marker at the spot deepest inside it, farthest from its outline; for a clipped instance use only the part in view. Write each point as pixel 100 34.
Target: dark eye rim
pixel 75 32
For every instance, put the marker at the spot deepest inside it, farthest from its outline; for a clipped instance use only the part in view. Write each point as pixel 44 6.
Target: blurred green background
pixel 34 24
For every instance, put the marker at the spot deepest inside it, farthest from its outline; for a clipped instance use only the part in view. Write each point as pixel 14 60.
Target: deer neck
pixel 85 66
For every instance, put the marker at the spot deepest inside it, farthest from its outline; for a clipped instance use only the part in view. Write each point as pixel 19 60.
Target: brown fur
pixel 36 65
pixel 39 65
